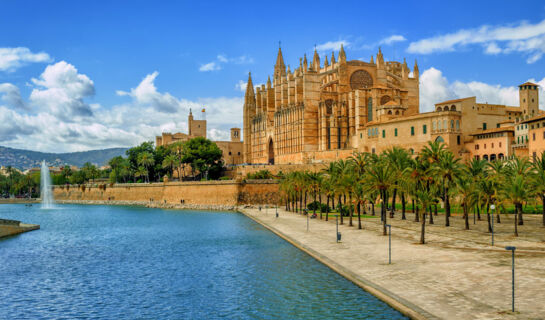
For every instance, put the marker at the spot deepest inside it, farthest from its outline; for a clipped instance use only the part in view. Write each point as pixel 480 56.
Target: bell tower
pixel 529 99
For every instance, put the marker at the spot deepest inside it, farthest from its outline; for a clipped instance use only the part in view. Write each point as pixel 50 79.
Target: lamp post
pixel 277 211
pixel 492 207
pixel 512 276
pixel 307 219
pixel 389 243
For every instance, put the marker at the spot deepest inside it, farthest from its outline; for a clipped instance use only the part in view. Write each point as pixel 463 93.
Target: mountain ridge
pixel 26 159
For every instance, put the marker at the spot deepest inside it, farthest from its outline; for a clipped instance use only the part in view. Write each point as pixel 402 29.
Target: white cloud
pixel 523 37
pixel 434 88
pixel 211 66
pixel 122 125
pixel 240 86
pixel 393 38
pixel 224 59
pixel 145 94
pixel 13 58
pixel 332 45
pixel 60 89
pixel 11 95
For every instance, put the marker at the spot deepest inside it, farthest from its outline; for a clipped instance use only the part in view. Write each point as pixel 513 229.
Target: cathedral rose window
pixel 360 79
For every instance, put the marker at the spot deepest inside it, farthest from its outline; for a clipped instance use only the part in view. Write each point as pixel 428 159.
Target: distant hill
pixel 25 159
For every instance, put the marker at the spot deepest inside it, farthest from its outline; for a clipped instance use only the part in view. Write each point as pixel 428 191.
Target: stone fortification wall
pixel 228 192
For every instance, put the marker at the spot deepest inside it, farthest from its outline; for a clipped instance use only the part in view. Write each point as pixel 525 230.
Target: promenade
pixel 456 275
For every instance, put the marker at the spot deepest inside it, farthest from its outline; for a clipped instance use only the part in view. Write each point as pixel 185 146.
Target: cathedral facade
pixel 321 112
pixel 316 112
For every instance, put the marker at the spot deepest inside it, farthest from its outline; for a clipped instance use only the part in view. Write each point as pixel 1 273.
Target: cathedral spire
pixel 249 97
pixel 316 60
pixel 416 73
pixel 326 63
pixel 305 63
pixel 372 60
pixel 279 67
pixel 342 55
pixel 269 82
pixel 332 58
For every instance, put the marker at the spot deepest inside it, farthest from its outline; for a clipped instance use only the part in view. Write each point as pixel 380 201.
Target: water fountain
pixel 45 188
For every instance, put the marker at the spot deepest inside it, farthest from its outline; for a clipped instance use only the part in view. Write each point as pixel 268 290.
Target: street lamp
pixel 492 207
pixel 512 276
pixel 389 243
pixel 277 211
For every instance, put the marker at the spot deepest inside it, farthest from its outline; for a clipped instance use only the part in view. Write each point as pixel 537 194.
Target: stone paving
pixel 456 275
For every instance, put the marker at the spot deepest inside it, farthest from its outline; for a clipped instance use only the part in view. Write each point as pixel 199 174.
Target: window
pixel 452 124
pixel 500 144
pixel 484 125
pixel 433 125
pixel 533 136
pixel 238 153
pixel 476 147
pixel 424 129
pixel 412 131
pixel 497 125
pixel 457 124
pixel 458 140
pixel 384 133
pixel 395 132
pixel 373 149
pixel 485 145
pixel 361 135
pixel 544 134
pixel 476 157
pixel 492 145
pixel 229 152
pixel 370 109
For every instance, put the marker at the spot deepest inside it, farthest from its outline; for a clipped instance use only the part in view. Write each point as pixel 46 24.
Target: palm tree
pixel 466 191
pixel 381 177
pixel 446 169
pixel 314 180
pixel 521 167
pixel 169 162
pixel 397 160
pixel 146 160
pixel 517 191
pixel 141 172
pixel 477 171
pixel 538 180
pixel 425 197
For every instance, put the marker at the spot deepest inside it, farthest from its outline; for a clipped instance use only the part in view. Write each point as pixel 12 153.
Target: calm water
pixel 110 262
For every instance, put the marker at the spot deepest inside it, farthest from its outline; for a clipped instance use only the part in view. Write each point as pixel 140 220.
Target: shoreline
pixel 405 307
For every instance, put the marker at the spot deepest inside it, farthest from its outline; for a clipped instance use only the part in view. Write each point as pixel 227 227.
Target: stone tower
pixel 235 134
pixel 249 111
pixel 529 99
pixel 196 128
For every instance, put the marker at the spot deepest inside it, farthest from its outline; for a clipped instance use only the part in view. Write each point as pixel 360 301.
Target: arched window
pixel 457 124
pixel 439 139
pixel 411 151
pixel 492 157
pixel 389 112
pixel 397 112
pixel 439 109
pixel 453 108
pixel 485 157
pixel 500 156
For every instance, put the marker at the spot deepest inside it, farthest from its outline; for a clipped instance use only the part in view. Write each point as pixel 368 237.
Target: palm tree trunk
pixel 383 212
pixel 373 208
pixel 479 212
pixel 413 205
pixel 517 205
pixel 392 211
pixel 416 214
pixel 488 218
pixel 359 216
pixel 423 229
pixel 447 209
pixel 320 201
pixel 332 201
pixel 403 206
pixel 314 211
pixel 341 209
pixel 543 208
pixel 466 216
pixel 435 209
pixel 431 215
pixel 498 220
pixel 327 210
pixel 521 221
pixel 351 208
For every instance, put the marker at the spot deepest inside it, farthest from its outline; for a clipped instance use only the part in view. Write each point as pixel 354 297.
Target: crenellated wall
pixel 228 192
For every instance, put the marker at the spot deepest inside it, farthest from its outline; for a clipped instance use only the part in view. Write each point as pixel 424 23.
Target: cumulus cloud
pixel 224 59
pixel 60 89
pixel 13 58
pixel 211 66
pixel 332 45
pixel 11 95
pixel 434 88
pixel 146 94
pixel 240 86
pixel 147 113
pixel 524 37
pixel 393 38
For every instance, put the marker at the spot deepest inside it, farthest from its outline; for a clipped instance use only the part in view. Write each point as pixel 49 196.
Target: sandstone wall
pixel 193 193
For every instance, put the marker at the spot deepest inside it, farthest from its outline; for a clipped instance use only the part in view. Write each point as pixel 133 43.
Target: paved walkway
pixel 456 275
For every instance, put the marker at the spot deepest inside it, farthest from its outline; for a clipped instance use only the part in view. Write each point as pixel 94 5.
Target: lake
pixel 120 262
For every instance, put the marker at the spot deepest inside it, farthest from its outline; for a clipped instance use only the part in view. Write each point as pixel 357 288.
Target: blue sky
pixel 78 75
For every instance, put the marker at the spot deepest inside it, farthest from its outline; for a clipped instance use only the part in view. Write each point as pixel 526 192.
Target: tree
pixel 538 181
pixel 146 160
pixel 381 177
pixel 446 168
pixel 203 156
pixel 517 191
pixel 169 163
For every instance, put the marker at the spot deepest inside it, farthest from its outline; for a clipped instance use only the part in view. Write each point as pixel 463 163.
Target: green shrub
pixel 225 178
pixel 261 174
pixel 317 205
